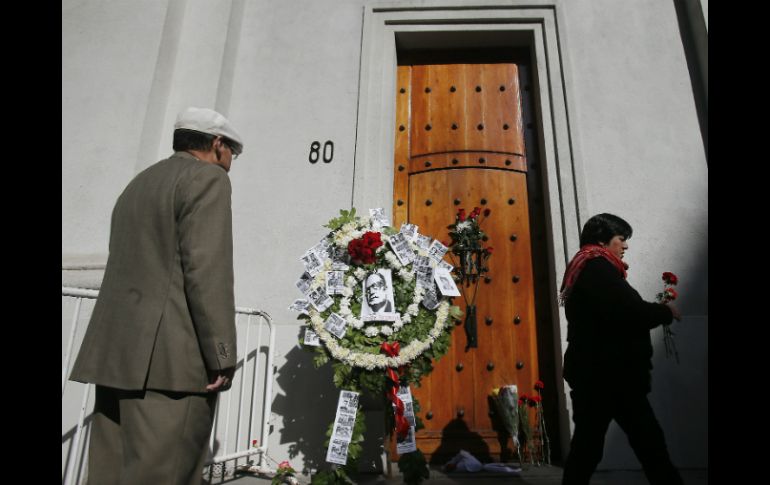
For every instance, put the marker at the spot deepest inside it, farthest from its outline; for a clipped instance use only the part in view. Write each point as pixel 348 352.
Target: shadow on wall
pixel 680 390
pixel 78 461
pixel 309 407
pixel 679 394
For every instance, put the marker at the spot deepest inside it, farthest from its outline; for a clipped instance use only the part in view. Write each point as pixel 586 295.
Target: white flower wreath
pixel 338 241
pixel 372 361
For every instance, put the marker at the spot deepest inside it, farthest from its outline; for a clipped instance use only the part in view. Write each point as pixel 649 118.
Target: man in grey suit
pixel 161 342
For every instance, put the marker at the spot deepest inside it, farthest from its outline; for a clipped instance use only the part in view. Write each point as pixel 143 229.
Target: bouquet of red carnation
pixel 545 443
pixel 525 429
pixel 363 250
pixel 669 294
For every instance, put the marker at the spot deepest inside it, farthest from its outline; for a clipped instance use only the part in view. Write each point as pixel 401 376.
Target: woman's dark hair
pixel 192 140
pixel 603 227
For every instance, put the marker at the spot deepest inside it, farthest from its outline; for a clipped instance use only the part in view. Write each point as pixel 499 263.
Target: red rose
pixel 363 250
pixel 254 442
pixel 534 400
pixel 353 247
pixel 461 215
pixel 284 464
pixel 670 294
pixel 372 240
pixel 539 385
pixel 670 278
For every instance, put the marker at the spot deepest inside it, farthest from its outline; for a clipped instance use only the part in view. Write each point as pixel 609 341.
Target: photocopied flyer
pixel 342 433
pixel 300 305
pixel 401 247
pixel 311 338
pixel 408 444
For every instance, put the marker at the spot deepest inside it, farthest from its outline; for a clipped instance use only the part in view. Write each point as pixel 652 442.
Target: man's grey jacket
pixel 166 310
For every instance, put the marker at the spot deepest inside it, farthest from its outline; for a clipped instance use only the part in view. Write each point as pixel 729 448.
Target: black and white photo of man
pixel 445 282
pixel 378 296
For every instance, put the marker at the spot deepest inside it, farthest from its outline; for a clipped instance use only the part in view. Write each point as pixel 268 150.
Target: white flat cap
pixel 208 121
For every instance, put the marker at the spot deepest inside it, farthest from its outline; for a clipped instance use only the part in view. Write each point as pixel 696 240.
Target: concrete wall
pixel 287 74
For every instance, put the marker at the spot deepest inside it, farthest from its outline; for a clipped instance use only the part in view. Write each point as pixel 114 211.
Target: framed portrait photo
pixel 378 303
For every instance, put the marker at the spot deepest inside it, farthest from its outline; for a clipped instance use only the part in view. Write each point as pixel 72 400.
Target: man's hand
pixel 220 380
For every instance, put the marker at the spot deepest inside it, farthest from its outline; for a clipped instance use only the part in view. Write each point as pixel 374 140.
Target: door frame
pixel 535 25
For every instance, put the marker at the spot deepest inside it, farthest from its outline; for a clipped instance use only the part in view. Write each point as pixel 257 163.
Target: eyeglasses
pixel 232 150
pixel 376 287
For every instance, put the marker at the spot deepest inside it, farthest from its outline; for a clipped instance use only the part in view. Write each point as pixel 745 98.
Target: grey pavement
pixel 544 475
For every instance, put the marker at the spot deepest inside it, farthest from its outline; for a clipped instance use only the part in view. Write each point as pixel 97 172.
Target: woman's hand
pixel 674 311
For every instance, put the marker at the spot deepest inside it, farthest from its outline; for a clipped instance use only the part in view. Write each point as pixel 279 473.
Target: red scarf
pixel 586 253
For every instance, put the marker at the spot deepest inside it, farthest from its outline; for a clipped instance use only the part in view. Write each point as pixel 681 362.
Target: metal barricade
pixel 241 423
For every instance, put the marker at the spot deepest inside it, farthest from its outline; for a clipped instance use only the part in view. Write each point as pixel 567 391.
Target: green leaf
pixel 330 477
pixel 414 467
pixel 345 217
pixel 455 312
pixel 373 381
pixel 321 357
pixel 341 374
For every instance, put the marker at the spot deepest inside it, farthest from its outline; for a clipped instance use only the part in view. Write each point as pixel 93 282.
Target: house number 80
pixel 326 154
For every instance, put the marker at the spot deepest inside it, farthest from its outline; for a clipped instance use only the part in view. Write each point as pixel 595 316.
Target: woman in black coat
pixel 608 359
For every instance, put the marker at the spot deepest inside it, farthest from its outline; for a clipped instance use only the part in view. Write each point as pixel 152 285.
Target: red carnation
pixel 539 385
pixel 362 250
pixel 671 294
pixel 670 278
pixel 372 239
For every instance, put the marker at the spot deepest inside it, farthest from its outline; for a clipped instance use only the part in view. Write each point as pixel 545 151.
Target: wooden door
pixel 460 144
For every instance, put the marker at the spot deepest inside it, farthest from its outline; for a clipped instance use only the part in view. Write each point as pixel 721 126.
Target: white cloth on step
pixel 465 462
